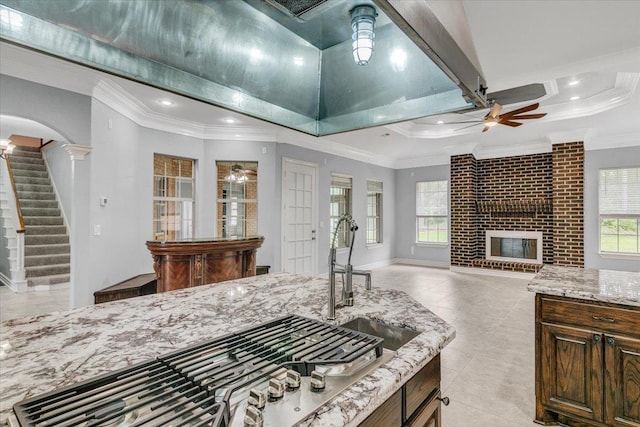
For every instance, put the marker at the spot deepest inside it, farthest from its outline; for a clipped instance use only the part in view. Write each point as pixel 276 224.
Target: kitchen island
pixel 43 353
pixel 587 346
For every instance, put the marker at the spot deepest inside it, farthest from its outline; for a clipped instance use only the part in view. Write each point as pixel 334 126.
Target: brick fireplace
pixel 540 193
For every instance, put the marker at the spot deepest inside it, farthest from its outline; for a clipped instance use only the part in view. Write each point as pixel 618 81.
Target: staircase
pixel 46 242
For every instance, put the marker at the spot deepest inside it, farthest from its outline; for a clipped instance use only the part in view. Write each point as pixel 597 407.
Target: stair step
pixel 23 160
pixel 47 270
pixel 35 188
pixel 26 148
pixel 34 250
pixel 30 172
pixel 18 168
pixel 29 211
pixel 45 239
pixel 30 195
pixel 45 229
pixel 49 280
pixel 41 204
pixel 26 179
pixel 43 220
pixel 46 260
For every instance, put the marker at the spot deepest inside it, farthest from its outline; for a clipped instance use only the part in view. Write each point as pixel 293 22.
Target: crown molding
pixel 326 145
pixel 603 142
pixel 115 97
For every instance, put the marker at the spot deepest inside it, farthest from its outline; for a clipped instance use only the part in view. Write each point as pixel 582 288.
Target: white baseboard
pixel 376 264
pixel 490 272
pixel 17 287
pixel 421 262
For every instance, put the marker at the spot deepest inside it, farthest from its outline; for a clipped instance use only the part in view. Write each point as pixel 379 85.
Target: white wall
pixel 327 164
pixel 436 255
pixel 593 162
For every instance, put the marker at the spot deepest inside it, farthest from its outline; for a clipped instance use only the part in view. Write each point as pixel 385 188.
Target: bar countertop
pixel 42 353
pixel 618 287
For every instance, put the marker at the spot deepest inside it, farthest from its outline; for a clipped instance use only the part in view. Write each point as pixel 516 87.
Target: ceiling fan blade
pixel 522 110
pixel 510 123
pixel 466 127
pixel 526 116
pixel 495 110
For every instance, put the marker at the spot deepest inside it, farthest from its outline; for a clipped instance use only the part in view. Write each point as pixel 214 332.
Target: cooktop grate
pixel 195 386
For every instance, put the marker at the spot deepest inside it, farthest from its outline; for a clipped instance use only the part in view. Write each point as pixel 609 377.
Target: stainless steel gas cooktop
pixel 273 374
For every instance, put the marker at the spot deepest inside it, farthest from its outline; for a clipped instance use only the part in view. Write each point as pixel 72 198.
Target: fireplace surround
pixel 515 246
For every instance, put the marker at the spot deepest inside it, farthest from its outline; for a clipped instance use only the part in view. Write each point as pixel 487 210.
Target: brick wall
pixel 568 204
pixel 463 195
pixel 510 179
pixel 538 192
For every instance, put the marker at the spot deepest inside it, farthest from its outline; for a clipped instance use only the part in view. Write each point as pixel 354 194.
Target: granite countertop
pixel 619 287
pixel 42 353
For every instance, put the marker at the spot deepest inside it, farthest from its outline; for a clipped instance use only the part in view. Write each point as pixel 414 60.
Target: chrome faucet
pixel 346 270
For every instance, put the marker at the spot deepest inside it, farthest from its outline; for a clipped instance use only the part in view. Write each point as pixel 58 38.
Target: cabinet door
pixel 389 414
pixel 429 415
pixel 622 381
pixel 572 373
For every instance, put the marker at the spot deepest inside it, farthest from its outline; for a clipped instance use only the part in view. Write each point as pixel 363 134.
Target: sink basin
pixel 394 336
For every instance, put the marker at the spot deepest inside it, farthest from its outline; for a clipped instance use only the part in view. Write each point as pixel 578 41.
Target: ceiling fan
pixel 494 117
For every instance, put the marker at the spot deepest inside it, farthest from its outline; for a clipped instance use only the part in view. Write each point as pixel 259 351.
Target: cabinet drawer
pixel 598 317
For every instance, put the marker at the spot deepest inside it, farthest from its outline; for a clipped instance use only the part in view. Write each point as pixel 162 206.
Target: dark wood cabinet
pixel 429 415
pixel 572 363
pixel 587 363
pixel 416 404
pixel 195 262
pixel 622 381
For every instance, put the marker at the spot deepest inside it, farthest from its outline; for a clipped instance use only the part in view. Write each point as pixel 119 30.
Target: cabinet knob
pixel 444 400
pixel 596 338
pixel 610 341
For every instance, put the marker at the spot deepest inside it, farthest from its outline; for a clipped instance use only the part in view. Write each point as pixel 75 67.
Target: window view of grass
pixel 433 230
pixel 619 235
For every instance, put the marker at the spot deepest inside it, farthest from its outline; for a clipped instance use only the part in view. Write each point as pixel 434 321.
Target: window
pixel 374 212
pixel 237 199
pixel 619 200
pixel 340 204
pixel 173 197
pixel 432 209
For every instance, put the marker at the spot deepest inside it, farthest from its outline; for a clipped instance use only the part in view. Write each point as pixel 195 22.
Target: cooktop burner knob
pixel 293 380
pixel 256 398
pixel 275 389
pixel 253 417
pixel 318 382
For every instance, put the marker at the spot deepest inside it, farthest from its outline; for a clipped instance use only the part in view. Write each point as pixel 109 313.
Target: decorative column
pixel 78 219
pixel 463 210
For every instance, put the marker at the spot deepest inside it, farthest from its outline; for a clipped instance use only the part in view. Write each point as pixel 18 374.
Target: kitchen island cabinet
pixel 587 347
pixel 44 353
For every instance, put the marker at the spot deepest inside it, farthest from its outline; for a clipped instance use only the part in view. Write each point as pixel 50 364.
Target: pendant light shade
pixel 363 19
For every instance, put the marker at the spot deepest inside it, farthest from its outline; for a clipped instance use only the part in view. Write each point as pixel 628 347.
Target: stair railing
pixel 17 270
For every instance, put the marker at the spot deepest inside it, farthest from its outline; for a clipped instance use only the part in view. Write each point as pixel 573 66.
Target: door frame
pixel 314 212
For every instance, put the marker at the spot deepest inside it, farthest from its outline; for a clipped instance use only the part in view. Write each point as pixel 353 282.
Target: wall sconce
pixel 236 174
pixel 7 148
pixel 363 18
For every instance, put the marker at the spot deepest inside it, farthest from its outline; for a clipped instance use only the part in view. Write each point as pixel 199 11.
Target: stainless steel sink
pixel 394 336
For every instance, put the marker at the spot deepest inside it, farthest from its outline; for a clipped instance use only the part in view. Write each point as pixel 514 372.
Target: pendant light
pixel 363 19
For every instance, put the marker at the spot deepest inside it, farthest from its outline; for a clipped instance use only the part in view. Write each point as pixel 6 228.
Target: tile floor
pixel 487 371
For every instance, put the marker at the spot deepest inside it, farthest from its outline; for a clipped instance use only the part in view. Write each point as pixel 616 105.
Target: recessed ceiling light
pixel 229 120
pixel 573 98
pixel 440 122
pixel 166 102
pixel 574 82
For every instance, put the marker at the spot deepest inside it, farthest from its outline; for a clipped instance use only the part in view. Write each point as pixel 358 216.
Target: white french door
pixel 299 216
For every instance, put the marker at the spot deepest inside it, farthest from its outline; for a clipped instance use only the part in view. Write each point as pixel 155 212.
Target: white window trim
pixel 380 230
pixel 341 175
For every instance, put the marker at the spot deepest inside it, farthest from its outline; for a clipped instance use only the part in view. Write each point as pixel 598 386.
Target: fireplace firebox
pixel 518 246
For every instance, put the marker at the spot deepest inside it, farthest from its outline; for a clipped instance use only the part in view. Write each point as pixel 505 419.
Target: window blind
pixel 619 191
pixel 340 181
pixel 374 186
